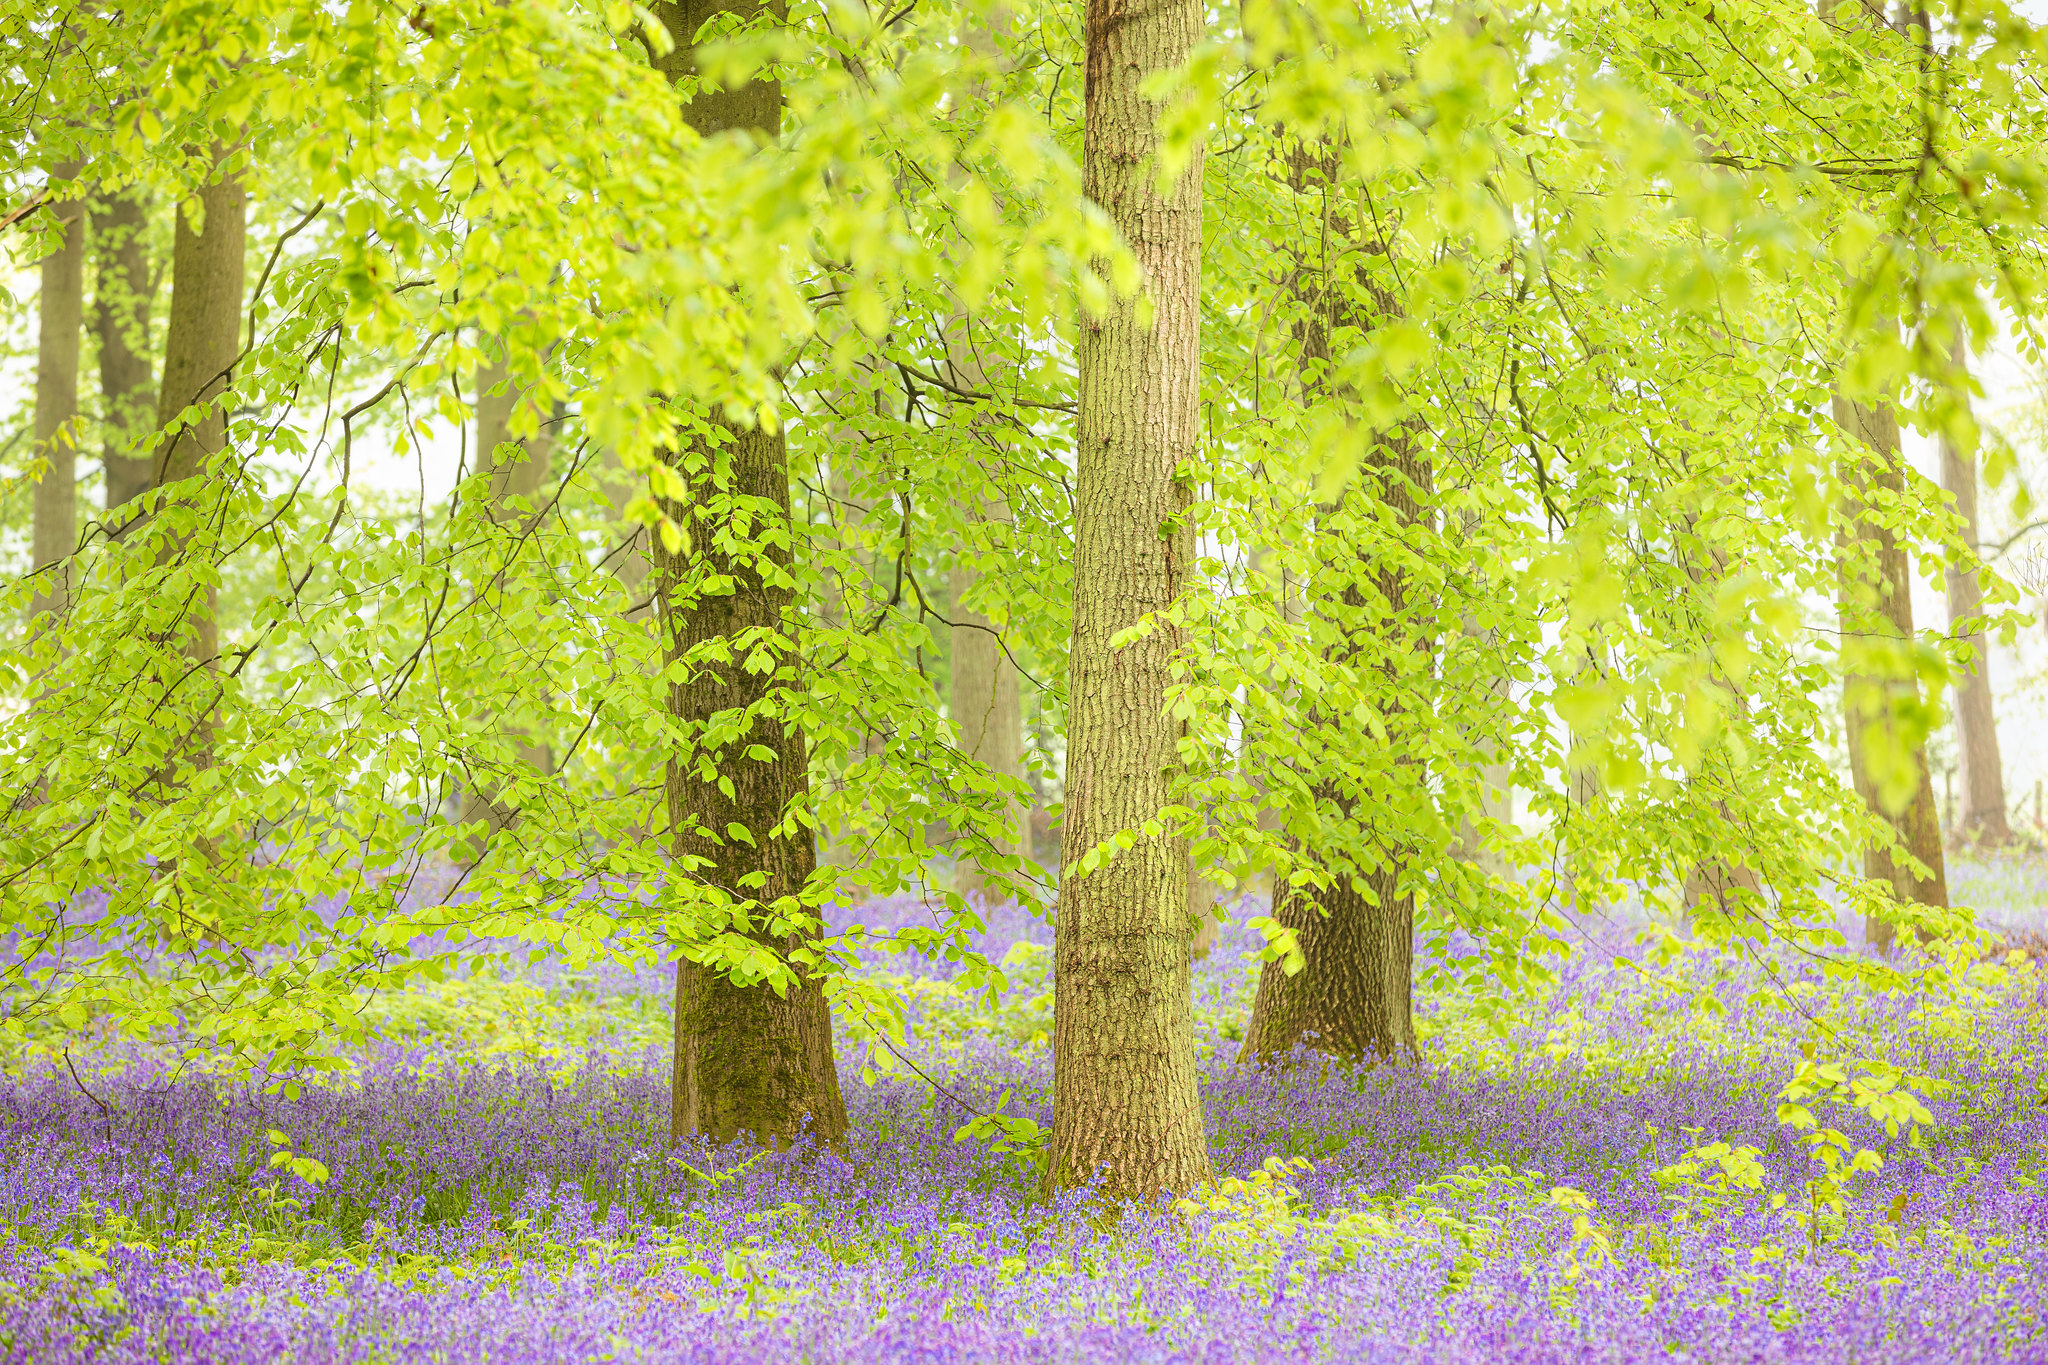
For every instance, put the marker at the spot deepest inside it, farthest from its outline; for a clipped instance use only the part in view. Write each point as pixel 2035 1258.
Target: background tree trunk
pixel 518 472
pixel 200 346
pixel 1125 1104
pixel 1983 772
pixel 843 843
pixel 1866 698
pixel 60 306
pixel 747 1060
pixel 630 562
pixel 987 706
pixel 1497 794
pixel 122 293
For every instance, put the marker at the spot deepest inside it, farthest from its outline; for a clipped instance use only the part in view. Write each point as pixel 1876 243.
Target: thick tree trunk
pixel 1984 813
pixel 747 1059
pixel 200 346
pixel 60 306
pixel 1125 1109
pixel 1867 699
pixel 122 294
pixel 1353 997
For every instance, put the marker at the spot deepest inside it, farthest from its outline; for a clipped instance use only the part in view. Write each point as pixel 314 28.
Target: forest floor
pixel 1602 1177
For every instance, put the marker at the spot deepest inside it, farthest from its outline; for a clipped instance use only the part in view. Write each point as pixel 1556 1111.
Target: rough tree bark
pixel 200 346
pixel 1125 1108
pixel 1354 993
pixel 60 306
pixel 747 1059
pixel 1983 817
pixel 1866 697
pixel 122 294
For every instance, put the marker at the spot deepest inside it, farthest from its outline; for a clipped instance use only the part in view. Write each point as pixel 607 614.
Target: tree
pixel 1887 753
pixel 122 291
pixel 986 703
pixel 1982 819
pixel 1354 925
pixel 59 307
pixel 1125 1107
pixel 200 347
pixel 517 471
pixel 749 1058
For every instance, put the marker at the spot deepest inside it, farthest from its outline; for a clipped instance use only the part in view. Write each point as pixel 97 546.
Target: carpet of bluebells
pixel 1606 1178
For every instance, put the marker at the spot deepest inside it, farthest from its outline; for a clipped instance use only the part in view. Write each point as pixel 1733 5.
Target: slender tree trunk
pixel 1867 699
pixel 747 1059
pixel 842 843
pixel 987 702
pixel 630 563
pixel 200 346
pixel 1729 887
pixel 1984 814
pixel 1125 1106
pixel 122 294
pixel 519 469
pixel 1497 790
pixel 60 306
pixel 518 472
pixel 987 708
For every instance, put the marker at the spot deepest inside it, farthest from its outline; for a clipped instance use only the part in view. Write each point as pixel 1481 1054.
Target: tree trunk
pixel 747 1059
pixel 1497 779
pixel 200 346
pixel 629 560
pixel 1354 993
pixel 1867 699
pixel 518 472
pixel 987 702
pixel 60 306
pixel 987 707
pixel 1125 1108
pixel 120 319
pixel 1983 815
pixel 841 843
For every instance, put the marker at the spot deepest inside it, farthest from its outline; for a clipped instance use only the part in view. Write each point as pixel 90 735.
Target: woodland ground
pixel 497 1189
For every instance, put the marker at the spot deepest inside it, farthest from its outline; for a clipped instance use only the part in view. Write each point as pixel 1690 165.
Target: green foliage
pixel 1587 277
